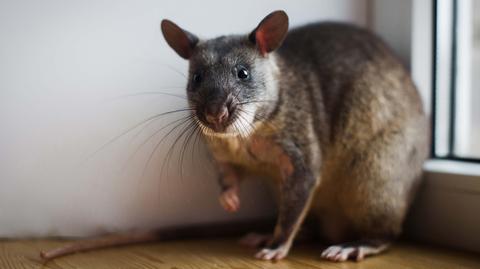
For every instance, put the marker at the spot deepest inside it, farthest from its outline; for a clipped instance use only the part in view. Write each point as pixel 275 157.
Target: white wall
pixel 406 26
pixel 62 65
pixel 391 19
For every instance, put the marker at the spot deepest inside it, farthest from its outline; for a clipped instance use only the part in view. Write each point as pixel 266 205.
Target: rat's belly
pixel 232 151
pixel 256 155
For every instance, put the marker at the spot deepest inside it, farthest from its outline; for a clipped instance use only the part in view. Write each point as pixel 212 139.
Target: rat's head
pixel 231 78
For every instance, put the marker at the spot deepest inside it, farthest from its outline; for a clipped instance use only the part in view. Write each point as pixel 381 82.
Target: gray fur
pixel 333 118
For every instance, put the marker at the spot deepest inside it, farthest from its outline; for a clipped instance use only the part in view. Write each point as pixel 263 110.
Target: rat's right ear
pixel 178 39
pixel 270 32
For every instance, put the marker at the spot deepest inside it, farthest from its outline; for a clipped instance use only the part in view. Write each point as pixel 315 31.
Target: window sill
pixel 454 175
pixel 446 211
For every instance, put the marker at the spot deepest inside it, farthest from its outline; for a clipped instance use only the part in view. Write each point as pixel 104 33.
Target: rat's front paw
pixel 229 200
pixel 274 254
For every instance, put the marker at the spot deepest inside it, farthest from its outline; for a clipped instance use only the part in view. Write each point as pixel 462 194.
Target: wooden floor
pixel 222 254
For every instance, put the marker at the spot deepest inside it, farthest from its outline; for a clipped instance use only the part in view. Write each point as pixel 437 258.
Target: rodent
pixel 327 112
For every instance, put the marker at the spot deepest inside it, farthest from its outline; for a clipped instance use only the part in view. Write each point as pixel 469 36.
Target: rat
pixel 326 112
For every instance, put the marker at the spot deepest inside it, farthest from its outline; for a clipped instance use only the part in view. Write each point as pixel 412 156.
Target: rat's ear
pixel 178 39
pixel 271 31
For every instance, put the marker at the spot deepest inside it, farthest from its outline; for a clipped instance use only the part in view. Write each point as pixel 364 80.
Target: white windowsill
pixel 446 211
pixel 457 175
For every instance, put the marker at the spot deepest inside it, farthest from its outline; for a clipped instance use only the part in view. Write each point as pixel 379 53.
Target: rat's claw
pixel 229 200
pixel 355 251
pixel 338 253
pixel 273 254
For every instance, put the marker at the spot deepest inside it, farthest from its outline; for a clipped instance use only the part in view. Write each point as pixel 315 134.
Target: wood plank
pixel 222 253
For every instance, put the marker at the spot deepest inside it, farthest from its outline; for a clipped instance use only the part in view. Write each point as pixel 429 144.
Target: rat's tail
pixel 97 243
pixel 198 231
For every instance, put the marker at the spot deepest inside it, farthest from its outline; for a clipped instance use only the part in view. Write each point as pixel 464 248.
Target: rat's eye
pixel 197 78
pixel 242 73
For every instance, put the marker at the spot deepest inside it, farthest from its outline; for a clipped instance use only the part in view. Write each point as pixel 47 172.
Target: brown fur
pixel 330 115
pixel 343 133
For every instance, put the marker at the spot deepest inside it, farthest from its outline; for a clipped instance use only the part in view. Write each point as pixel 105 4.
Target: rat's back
pixel 369 119
pixel 352 76
pixel 330 47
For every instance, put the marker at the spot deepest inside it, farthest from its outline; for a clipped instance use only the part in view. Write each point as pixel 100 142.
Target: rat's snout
pixel 217 116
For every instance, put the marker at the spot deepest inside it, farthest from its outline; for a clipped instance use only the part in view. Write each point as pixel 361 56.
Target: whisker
pixel 176 71
pixel 258 117
pixel 242 125
pixel 142 129
pixel 240 136
pixel 237 94
pixel 197 135
pixel 172 148
pixel 146 93
pixel 186 143
pixel 149 138
pixel 159 143
pixel 255 101
pixel 133 128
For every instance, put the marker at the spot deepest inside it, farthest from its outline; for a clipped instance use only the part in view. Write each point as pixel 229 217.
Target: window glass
pixel 467 86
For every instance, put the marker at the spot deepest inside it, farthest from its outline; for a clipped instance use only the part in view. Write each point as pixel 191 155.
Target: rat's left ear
pixel 271 31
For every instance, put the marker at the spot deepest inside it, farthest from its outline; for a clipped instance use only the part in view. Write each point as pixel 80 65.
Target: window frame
pixel 446 209
pixel 452 91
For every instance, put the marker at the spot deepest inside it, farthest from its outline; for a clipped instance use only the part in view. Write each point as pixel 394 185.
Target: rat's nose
pixel 218 117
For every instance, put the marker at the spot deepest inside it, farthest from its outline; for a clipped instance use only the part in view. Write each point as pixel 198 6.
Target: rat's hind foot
pixel 355 250
pixel 255 240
